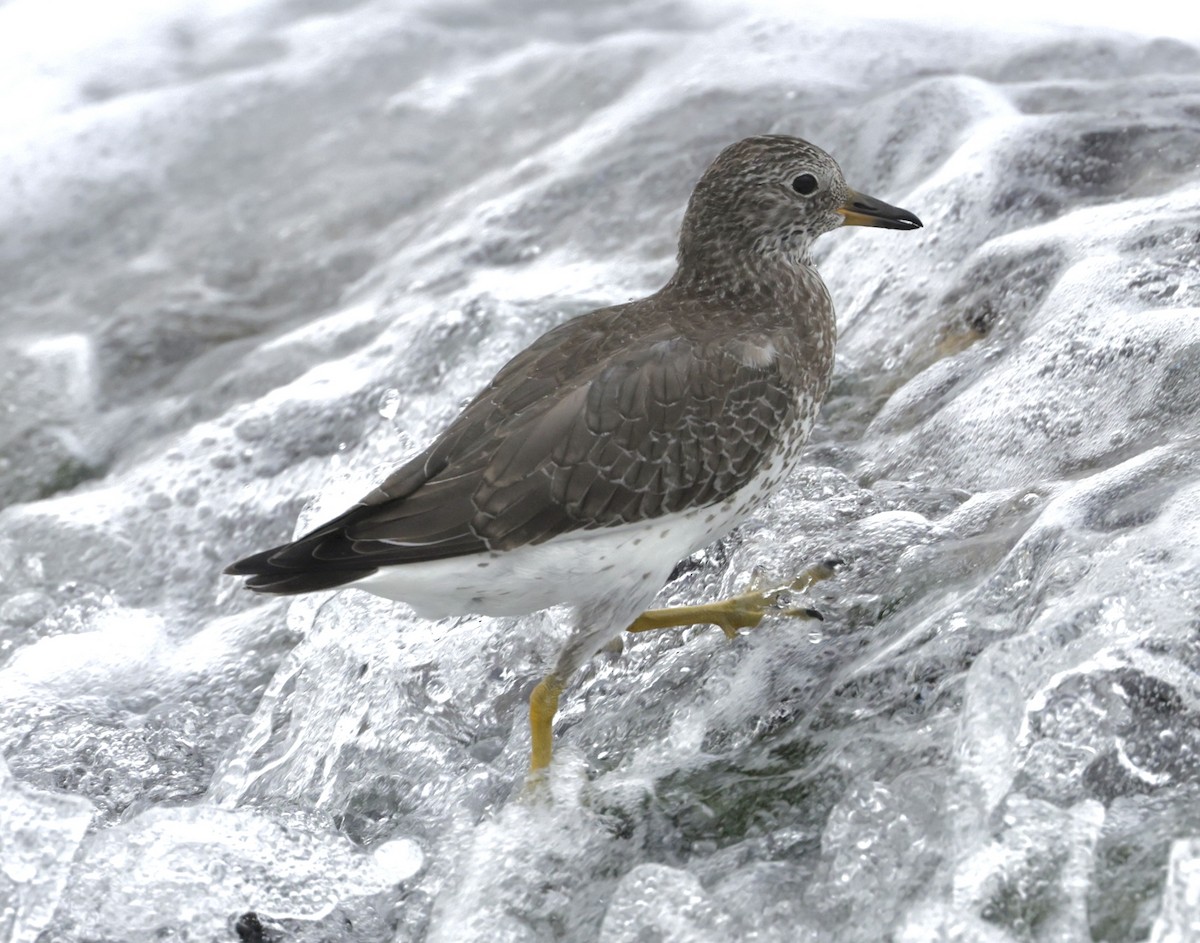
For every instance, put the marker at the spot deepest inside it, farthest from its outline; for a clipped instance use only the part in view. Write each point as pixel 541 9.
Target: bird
pixel 619 442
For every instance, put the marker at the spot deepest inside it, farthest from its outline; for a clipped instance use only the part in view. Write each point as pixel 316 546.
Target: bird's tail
pixel 277 572
pixel 302 566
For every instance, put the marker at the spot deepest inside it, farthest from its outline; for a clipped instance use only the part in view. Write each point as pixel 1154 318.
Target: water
pixel 253 255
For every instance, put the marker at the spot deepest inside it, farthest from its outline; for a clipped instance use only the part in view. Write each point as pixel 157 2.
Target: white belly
pixel 575 570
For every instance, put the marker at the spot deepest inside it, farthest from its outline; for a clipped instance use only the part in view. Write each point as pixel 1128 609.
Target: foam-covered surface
pixel 255 253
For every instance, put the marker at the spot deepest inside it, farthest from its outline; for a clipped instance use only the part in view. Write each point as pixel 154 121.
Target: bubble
pixel 389 404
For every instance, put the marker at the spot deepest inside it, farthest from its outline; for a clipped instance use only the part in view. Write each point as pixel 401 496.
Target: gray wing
pixel 580 431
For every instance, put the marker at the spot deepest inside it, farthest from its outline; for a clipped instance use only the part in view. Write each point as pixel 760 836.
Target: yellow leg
pixel 543 704
pixel 744 611
pixel 738 612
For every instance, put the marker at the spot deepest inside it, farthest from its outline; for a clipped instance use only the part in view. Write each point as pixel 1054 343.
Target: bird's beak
pixel 862 210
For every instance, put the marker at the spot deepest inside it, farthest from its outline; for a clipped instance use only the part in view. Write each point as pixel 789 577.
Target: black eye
pixel 805 184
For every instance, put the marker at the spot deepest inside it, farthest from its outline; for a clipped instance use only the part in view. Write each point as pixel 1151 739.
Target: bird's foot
pixel 743 611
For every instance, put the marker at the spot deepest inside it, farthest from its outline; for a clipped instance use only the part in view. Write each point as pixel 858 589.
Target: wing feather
pixel 588 428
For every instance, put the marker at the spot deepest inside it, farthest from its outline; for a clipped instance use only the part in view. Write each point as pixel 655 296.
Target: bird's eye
pixel 805 184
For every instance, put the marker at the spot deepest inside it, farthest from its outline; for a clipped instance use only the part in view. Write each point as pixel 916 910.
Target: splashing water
pixel 269 256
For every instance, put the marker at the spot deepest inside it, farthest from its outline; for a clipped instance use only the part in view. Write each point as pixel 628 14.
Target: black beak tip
pixel 863 210
pixel 884 216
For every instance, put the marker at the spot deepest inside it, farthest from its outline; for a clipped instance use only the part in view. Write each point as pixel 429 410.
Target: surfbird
pixel 621 441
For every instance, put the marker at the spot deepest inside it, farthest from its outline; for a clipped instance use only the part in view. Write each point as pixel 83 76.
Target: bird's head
pixel 775 194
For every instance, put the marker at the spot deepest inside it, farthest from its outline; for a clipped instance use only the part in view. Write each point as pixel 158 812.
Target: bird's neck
pixel 746 277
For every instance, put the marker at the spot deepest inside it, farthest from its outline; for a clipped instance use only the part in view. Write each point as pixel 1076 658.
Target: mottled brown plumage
pixel 645 410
